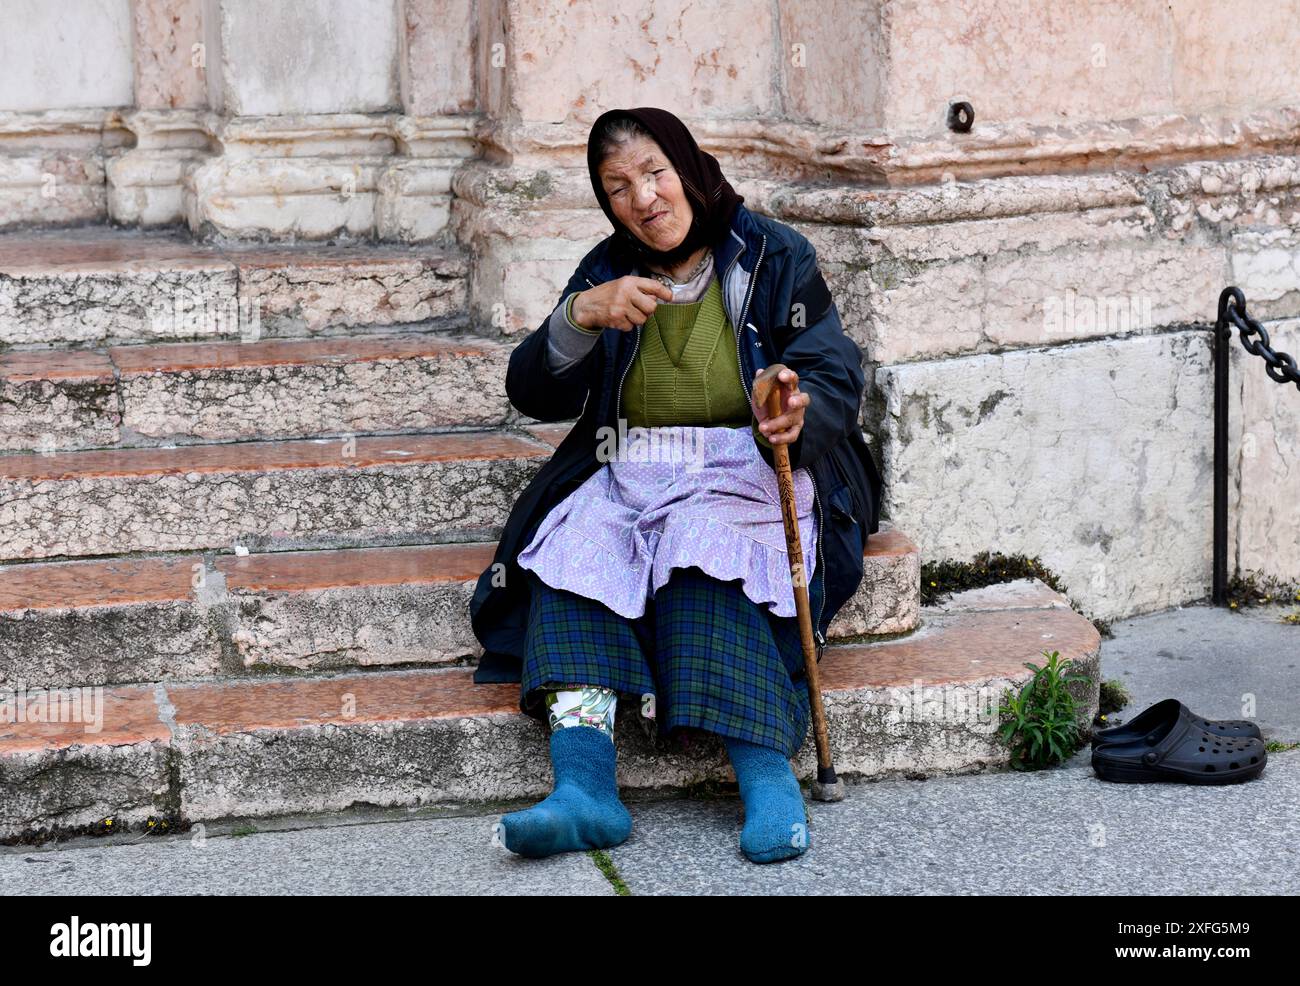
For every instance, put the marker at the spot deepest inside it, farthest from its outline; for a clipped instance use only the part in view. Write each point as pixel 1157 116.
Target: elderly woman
pixel 659 570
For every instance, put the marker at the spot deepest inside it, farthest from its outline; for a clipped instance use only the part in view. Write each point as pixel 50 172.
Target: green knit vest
pixel 686 371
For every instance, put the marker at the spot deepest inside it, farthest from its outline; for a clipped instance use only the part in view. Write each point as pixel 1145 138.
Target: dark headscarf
pixel 713 200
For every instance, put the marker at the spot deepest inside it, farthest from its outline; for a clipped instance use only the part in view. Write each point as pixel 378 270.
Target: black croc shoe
pixel 1146 720
pixel 1179 749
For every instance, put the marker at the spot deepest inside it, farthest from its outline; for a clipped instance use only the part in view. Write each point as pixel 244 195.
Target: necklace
pixel 668 279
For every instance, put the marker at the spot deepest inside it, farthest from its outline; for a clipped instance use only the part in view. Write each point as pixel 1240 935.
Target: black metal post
pixel 1222 333
pixel 1280 367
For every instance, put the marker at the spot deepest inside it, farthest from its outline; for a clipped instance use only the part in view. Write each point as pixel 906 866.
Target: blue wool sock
pixel 583 811
pixel 775 824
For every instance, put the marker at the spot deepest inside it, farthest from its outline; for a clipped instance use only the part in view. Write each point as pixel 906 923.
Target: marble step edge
pixel 103 284
pixel 344 491
pixel 58 400
pixel 202 615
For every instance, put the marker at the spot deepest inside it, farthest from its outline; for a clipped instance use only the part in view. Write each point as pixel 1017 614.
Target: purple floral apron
pixel 673 497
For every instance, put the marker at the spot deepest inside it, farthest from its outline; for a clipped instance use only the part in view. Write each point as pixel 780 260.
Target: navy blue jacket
pixel 775 297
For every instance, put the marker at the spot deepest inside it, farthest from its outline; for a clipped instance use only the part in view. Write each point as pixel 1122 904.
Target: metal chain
pixel 1232 308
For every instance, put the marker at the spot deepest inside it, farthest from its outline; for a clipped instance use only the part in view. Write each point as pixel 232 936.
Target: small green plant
pixel 940 578
pixel 158 826
pixel 1114 696
pixel 1041 726
pixel 106 826
pixel 606 866
pixel 1257 589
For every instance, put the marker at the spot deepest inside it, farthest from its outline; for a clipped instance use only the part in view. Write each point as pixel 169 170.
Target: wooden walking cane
pixel 767 393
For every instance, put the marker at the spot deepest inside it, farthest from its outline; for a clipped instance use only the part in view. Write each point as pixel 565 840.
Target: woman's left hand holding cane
pixel 785 427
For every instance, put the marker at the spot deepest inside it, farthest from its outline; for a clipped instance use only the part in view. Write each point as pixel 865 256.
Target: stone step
pixel 101 285
pixel 66 399
pixel 210 750
pixel 194 616
pixel 298 493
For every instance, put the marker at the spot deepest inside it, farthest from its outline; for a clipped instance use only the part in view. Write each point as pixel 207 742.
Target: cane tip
pixel 826 786
pixel 828 792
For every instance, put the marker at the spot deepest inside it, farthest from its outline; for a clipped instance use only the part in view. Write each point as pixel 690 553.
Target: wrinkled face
pixel 646 194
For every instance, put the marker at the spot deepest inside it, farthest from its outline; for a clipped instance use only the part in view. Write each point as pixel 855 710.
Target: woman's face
pixel 646 194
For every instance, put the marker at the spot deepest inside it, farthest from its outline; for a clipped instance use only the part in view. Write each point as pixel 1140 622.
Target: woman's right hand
pixel 623 303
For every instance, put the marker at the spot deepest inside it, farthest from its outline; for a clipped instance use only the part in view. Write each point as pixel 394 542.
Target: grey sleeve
pixel 568 344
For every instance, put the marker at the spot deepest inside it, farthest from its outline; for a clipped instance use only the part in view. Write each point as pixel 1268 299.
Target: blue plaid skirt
pixel 703 657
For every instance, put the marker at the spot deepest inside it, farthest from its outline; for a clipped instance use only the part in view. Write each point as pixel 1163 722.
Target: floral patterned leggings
pixel 590 705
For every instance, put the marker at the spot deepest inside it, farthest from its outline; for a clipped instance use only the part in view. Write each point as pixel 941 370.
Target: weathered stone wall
pixel 1032 296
